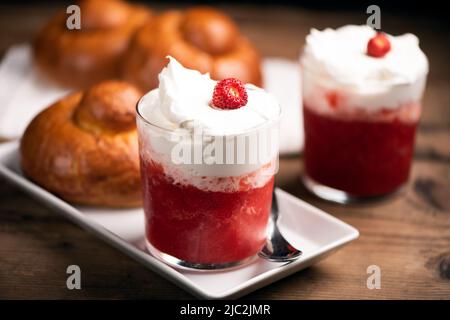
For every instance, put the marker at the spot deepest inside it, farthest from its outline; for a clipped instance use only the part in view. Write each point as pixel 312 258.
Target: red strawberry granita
pixel 362 95
pixel 209 152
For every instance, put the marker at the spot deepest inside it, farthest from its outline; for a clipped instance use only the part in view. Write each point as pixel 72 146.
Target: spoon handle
pixel 277 248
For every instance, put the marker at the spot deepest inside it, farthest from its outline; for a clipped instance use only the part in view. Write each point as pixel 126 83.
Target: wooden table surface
pixel 408 237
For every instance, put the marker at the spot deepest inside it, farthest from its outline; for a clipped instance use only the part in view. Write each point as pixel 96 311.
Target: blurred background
pixel 278 28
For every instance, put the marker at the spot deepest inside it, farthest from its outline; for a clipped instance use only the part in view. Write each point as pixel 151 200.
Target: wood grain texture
pixel 408 236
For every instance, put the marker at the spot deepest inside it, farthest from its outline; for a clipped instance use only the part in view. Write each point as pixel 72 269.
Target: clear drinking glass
pixel 352 152
pixel 201 213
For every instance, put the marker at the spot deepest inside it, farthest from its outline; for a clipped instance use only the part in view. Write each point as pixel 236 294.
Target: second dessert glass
pixel 360 112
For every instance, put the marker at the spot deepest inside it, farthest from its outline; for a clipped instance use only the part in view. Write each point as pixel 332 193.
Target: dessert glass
pixel 206 216
pixel 358 142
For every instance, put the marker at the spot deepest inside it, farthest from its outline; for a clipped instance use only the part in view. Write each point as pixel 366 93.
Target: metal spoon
pixel 277 248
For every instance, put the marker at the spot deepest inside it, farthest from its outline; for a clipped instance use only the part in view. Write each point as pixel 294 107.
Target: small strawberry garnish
pixel 229 93
pixel 378 46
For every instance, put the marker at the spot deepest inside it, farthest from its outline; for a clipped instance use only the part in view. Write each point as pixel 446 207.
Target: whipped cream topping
pixel 337 58
pixel 184 97
pixel 180 108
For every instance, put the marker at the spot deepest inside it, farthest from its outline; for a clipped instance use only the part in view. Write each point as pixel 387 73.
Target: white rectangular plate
pixel 315 232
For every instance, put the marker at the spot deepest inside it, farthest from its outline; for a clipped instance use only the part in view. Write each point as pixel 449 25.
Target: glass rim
pixel 241 132
pixel 337 80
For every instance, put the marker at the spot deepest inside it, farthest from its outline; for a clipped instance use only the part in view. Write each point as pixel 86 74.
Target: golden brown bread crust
pixel 80 58
pixel 84 147
pixel 200 38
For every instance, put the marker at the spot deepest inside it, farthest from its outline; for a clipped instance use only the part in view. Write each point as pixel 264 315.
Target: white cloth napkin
pixel 23 94
pixel 282 78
